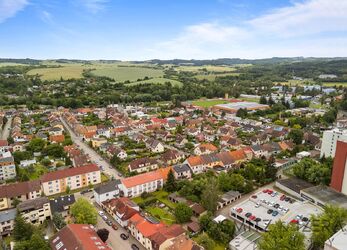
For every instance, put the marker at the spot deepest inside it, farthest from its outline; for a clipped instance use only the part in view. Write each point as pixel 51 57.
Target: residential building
pixel 143 165
pixel 339 173
pixel 35 211
pixel 3 146
pixel 121 209
pixel 106 191
pixel 21 191
pixel 337 241
pixel 155 146
pixel 78 236
pixel 62 205
pixel 147 182
pixel 57 138
pixel 57 182
pixel 7 221
pixel 330 138
pixel 182 171
pixel 205 148
pixel 7 167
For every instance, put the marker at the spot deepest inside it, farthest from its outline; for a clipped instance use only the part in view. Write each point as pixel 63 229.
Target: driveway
pixel 108 169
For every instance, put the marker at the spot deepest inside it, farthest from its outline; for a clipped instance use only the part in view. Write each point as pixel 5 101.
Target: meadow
pixel 157 80
pixel 208 103
pixel 68 71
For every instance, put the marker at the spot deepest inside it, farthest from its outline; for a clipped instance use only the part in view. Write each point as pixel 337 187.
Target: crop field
pixel 4 64
pixel 157 80
pixel 66 72
pixel 332 84
pixel 208 103
pixel 205 68
pixel 212 77
pixel 129 73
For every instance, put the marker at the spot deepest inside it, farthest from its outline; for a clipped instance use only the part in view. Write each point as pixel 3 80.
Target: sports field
pixel 208 103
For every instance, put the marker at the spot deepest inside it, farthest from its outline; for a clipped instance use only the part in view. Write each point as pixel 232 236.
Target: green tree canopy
pixel 183 213
pixel 84 212
pixel 209 196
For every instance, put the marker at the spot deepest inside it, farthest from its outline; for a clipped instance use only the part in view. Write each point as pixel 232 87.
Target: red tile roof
pixel 60 174
pixel 20 188
pixel 145 227
pixel 146 177
pixel 3 143
pixel 57 138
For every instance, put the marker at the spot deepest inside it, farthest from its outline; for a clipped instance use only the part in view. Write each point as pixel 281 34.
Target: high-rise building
pixel 339 174
pixel 330 137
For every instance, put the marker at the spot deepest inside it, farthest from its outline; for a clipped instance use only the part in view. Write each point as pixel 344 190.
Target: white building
pixel 107 191
pixel 337 241
pixel 7 167
pixel 330 137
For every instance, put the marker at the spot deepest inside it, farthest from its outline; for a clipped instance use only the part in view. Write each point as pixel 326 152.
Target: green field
pixel 157 80
pixel 212 77
pixel 332 84
pixel 208 103
pixel 129 73
pixel 69 71
pixel 161 215
pixel 12 64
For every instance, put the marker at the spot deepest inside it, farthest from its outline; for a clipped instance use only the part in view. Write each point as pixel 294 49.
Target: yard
pixel 33 172
pixel 208 103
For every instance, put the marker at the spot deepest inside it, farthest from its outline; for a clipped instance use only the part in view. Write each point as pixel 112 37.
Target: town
pixel 205 174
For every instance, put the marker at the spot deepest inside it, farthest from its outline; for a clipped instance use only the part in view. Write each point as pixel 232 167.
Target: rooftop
pixel 7 215
pixel 295 184
pixel 60 174
pixel 327 195
pixel 32 204
pixel 108 187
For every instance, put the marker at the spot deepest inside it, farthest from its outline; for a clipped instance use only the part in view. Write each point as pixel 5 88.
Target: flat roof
pixel 245 241
pixel 295 184
pixel 326 194
pixel 338 240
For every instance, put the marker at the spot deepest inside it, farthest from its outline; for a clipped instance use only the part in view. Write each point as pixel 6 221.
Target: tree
pixel 296 135
pixel 205 221
pixel 38 242
pixel 171 184
pixel 103 234
pixel 84 212
pixel 209 196
pixel 263 100
pixel 22 230
pixel 281 236
pixel 327 224
pixel 242 113
pixel 183 213
pixel 58 220
pixel 205 241
pixel 36 145
pixel 54 150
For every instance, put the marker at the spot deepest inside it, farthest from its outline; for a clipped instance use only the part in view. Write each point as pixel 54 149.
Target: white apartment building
pixel 330 137
pixel 7 167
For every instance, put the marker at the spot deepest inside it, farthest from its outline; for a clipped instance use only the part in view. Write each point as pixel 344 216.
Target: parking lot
pixel 268 206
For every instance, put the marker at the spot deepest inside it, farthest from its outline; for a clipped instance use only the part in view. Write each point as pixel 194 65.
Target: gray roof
pixel 181 168
pixel 7 215
pixel 327 195
pixel 108 187
pixel 7 159
pixel 230 195
pixel 59 204
pixel 32 204
pixel 295 184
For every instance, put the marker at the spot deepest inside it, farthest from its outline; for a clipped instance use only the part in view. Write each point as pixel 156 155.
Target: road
pixel 94 156
pixel 5 133
pixel 114 239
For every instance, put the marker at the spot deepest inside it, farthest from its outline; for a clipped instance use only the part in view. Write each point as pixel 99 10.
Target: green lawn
pixel 158 80
pixel 249 99
pixel 129 73
pixel 34 172
pixel 161 215
pixel 159 195
pixel 208 103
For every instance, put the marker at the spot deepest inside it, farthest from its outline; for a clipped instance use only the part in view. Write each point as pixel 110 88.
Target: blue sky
pixel 167 29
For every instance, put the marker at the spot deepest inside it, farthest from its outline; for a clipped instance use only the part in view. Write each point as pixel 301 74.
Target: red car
pixel 282 197
pixel 294 221
pixel 239 210
pixel 254 196
pixel 270 191
pixel 252 217
pixel 265 190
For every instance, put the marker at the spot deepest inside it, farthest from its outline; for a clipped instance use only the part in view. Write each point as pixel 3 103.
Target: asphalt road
pixel 5 133
pixel 94 156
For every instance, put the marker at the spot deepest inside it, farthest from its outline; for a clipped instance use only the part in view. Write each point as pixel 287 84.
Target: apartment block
pixel 57 182
pixel 330 138
pixel 35 211
pixel 7 167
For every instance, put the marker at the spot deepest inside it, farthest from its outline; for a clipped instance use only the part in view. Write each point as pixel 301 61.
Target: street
pixel 94 156
pixel 5 133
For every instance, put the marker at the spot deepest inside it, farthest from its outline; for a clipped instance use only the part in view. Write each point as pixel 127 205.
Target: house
pixel 35 211
pixel 79 160
pixel 57 138
pixel 17 147
pixel 62 205
pixel 106 191
pixel 121 209
pixel 171 157
pixel 20 191
pixel 147 182
pixel 78 236
pixel 194 227
pixel 7 221
pixel 196 164
pixel 154 145
pixel 57 182
pixel 55 131
pixel 97 142
pixel 142 165
pixel 182 171
pixel 180 141
pixel 7 167
pixel 27 163
pixel 116 151
pixel 205 148
pixel 4 146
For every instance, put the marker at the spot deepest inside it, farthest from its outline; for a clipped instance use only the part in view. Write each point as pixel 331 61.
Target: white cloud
pixel 47 17
pixel 9 8
pixel 94 6
pixel 297 30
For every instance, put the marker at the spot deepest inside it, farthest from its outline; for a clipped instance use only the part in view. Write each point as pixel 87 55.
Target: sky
pixel 169 29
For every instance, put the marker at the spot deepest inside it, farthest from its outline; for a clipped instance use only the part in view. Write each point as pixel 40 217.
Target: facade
pixel 74 178
pixel 78 236
pixel 329 141
pixel 106 191
pixel 143 165
pixel 20 191
pixel 339 173
pixel 7 167
pixel 35 211
pixel 182 171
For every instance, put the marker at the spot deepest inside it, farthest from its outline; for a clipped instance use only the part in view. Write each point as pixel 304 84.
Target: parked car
pixel 101 213
pixel 134 247
pixel 248 214
pixel 274 213
pixel 252 217
pixel 114 226
pixel 108 222
pixel 104 217
pixel 124 236
pixel 257 219
pixel 269 211
pixel 257 205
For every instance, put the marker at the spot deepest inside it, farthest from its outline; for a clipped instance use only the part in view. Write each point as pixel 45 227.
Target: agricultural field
pixel 5 64
pixel 128 73
pixel 297 82
pixel 157 80
pixel 68 71
pixel 333 84
pixel 208 103
pixel 212 77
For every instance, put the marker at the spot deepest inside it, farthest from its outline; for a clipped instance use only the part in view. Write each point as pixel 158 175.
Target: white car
pixel 257 205
pixel 101 213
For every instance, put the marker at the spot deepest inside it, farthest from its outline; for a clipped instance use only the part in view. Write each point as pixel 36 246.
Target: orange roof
pixel 146 177
pixel 57 138
pixel 194 160
pixel 208 146
pixel 283 145
pixel 89 134
pixel 237 155
pixel 145 227
pixel 91 128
